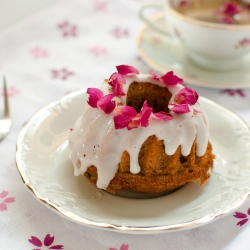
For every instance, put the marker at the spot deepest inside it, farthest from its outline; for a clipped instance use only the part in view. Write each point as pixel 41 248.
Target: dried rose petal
pixel 126 70
pixel 162 116
pixel 153 75
pixel 145 114
pixel 123 115
pixel 106 104
pixel 94 95
pixel 186 96
pixel 135 123
pixel 179 108
pixel 196 110
pixel 227 20
pixel 116 81
pixel 231 9
pixel 184 3
pixel 170 79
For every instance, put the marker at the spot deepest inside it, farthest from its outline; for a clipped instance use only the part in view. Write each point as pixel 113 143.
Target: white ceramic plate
pixel 162 55
pixel 43 161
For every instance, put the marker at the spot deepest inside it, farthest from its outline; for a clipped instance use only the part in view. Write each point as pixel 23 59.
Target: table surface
pixel 66 47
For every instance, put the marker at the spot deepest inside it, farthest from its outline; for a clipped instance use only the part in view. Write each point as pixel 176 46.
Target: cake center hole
pixel 157 97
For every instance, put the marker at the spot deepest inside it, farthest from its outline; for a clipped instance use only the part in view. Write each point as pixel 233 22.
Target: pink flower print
pixel 156 40
pixel 62 74
pixel 68 29
pixel 98 51
pixel 243 217
pixel 184 3
pixel 119 32
pixel 47 242
pixel 233 92
pixel 123 247
pixel 176 32
pixel 139 59
pixel 12 91
pixel 39 52
pixel 243 43
pixel 5 200
pixel 100 5
pixel 192 76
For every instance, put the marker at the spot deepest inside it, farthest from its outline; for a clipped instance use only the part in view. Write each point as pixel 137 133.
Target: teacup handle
pixel 148 21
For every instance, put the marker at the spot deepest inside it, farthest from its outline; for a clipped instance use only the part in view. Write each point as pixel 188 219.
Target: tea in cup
pixel 214 33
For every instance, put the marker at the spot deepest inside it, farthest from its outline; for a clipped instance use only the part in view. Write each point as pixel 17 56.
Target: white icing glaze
pixel 95 141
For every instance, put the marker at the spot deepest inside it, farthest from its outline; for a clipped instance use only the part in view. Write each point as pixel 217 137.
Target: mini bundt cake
pixel 141 133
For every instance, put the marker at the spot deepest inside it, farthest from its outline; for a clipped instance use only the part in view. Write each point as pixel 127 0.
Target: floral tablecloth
pixel 71 45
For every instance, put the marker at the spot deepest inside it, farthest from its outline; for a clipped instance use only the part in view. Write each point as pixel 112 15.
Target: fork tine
pixel 6 102
pixel 5 122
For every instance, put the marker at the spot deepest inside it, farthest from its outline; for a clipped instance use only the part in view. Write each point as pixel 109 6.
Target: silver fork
pixel 5 122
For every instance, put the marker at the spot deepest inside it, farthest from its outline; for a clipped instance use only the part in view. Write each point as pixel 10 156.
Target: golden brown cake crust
pixel 159 173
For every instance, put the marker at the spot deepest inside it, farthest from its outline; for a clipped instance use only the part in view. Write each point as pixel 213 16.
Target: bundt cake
pixel 141 133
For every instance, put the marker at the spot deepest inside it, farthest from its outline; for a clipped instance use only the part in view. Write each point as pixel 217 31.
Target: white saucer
pixel 43 161
pixel 163 55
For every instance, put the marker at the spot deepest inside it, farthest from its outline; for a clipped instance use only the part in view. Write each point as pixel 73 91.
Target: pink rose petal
pixel 196 110
pixel 126 70
pixel 145 114
pixel 227 20
pixel 116 81
pixel 95 95
pixel 9 200
pixel 3 207
pixel 123 116
pixel 179 108
pixel 135 123
pixel 106 104
pixel 186 96
pixel 48 240
pixel 231 9
pixel 170 79
pixel 162 116
pixel 35 241
pixel 153 75
pixel 3 194
pixel 184 3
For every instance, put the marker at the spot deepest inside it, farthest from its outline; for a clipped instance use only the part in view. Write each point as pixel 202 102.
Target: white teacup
pixel 212 46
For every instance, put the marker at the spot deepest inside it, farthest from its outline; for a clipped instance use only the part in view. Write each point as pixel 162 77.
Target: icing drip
pixel 95 141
